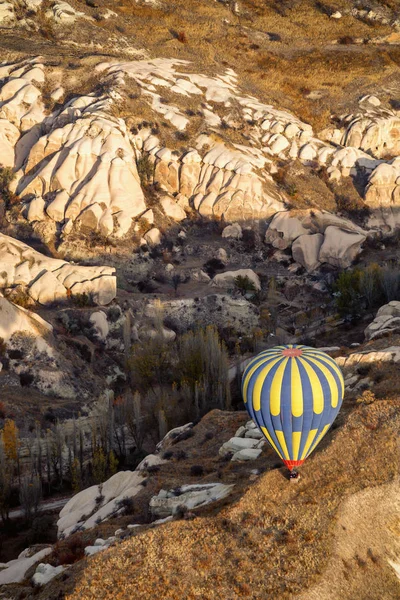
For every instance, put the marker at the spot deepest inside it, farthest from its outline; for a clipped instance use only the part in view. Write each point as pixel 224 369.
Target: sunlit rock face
pixel 376 133
pixel 50 280
pixel 85 170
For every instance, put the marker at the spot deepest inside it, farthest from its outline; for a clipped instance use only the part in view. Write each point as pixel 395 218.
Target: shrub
pixel 69 551
pixel 6 177
pixel 180 455
pixel 153 469
pixel 127 505
pixel 83 300
pixel 346 40
pixel 180 511
pixel 249 239
pixel 145 169
pixel 196 470
pixel 244 285
pixel 181 37
pixel 212 266
pixel 367 397
pixel 26 379
pixel 363 369
pixel 42 529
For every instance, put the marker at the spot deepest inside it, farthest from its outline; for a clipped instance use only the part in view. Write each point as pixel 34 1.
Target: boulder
pixel 387 321
pixel 391 354
pixel 45 573
pixel 339 247
pixel 392 309
pixel 306 249
pixel 227 279
pixel 283 230
pixel 36 210
pixel 153 237
pixel 222 255
pixel 233 231
pixel 238 443
pixel 172 209
pixel 151 460
pixel 246 454
pixel 187 497
pixel 14 319
pixel 90 217
pixel 100 323
pixel 47 289
pixel 50 278
pixel 56 208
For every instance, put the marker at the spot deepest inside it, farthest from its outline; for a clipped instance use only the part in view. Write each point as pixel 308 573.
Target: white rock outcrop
pixel 283 230
pixel 306 249
pixel 15 570
pixel 247 443
pixel 227 279
pixel 382 196
pixel 386 322
pixel 340 247
pixel 233 231
pixel 187 497
pixel 97 503
pixel 15 319
pixel 391 354
pixel 51 279
pixel 45 573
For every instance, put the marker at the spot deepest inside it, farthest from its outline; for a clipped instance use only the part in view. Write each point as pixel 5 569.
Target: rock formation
pixel 49 279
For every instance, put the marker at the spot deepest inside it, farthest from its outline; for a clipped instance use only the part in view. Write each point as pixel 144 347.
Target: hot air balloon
pixel 293 393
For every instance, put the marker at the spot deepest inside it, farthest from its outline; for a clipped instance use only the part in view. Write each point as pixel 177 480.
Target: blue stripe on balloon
pixel 250 388
pixel 317 419
pixel 308 412
pixel 330 410
pixel 286 406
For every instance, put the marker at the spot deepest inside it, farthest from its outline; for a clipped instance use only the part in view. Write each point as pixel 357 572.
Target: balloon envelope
pixel 294 394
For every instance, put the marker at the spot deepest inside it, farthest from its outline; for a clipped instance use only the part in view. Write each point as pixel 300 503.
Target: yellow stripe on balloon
pixel 329 361
pixel 259 360
pixel 276 388
pixel 330 379
pixel 296 439
pixel 269 438
pixel 297 390
pixel 260 382
pixel 318 394
pixel 281 439
pixel 321 435
pixel 310 439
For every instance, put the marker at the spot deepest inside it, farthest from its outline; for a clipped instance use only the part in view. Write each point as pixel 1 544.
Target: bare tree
pixel 30 495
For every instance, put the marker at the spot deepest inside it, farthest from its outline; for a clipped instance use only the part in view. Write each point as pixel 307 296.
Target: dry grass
pixel 274 541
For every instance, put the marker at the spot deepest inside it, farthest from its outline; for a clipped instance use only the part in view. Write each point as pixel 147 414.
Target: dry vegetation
pixel 275 540
pixel 281 50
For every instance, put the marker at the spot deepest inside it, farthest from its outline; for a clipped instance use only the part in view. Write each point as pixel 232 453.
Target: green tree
pixel 244 285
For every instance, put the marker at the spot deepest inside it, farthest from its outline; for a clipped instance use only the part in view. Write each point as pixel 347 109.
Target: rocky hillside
pixel 203 505
pixel 182 185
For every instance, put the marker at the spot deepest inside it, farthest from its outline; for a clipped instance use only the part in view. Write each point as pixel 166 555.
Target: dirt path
pixel 367 536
